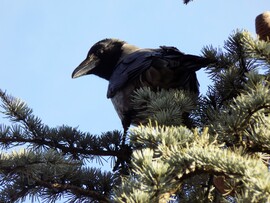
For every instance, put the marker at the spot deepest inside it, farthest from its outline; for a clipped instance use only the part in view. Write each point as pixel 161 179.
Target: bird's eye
pixel 100 52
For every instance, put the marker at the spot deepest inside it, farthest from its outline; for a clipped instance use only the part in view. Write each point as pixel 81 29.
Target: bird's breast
pixel 122 100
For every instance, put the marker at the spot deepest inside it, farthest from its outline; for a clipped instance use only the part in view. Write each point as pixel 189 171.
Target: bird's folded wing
pixel 134 64
pixel 129 68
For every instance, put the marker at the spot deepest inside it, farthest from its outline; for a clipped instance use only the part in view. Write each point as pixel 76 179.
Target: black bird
pixel 128 67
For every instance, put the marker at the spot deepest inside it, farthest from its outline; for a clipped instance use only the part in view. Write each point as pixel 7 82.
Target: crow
pixel 128 68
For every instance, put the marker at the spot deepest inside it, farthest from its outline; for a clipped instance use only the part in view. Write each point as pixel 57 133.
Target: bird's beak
pixel 86 66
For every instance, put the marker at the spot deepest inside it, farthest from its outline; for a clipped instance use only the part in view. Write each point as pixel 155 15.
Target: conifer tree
pixel 226 157
pixel 223 158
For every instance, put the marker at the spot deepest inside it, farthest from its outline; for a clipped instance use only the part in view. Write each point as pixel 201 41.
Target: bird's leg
pixel 123 160
pixel 124 135
pixel 126 122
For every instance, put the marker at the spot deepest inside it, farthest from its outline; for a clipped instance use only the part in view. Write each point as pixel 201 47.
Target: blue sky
pixel 41 42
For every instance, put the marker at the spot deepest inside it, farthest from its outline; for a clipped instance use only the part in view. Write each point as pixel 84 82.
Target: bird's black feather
pixel 128 69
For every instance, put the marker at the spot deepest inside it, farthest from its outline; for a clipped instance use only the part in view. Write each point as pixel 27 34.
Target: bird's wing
pixel 134 64
pixel 129 68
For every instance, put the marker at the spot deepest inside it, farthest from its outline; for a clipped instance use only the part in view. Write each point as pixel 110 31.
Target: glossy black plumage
pixel 127 68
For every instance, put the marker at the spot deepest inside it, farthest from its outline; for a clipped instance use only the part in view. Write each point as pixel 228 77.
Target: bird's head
pixel 101 59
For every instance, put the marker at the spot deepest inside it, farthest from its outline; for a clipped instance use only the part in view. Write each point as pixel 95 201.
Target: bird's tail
pixel 194 63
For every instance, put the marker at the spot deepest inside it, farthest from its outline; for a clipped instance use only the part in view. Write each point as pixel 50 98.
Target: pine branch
pixel 257 49
pixel 60 188
pixel 167 107
pixel 245 120
pixel 164 174
pixel 229 72
pixel 69 144
pixel 49 175
pixel 229 75
pixel 65 139
pixel 17 111
pixel 87 146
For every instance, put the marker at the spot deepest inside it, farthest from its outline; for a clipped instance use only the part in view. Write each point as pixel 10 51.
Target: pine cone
pixel 263 25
